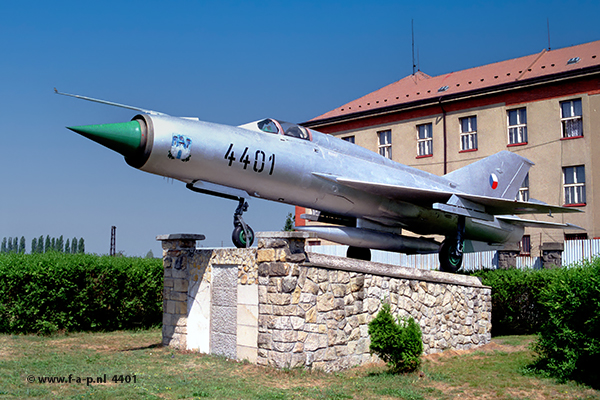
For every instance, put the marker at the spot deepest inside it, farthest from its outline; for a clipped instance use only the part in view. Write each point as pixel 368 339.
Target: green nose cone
pixel 124 138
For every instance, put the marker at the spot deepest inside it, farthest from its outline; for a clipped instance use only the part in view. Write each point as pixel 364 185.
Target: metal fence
pixel 575 251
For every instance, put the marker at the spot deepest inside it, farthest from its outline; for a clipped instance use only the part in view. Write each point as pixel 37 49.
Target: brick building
pixel 544 106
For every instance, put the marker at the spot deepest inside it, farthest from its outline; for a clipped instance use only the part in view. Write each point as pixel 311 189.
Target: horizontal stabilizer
pixel 498 206
pixel 537 224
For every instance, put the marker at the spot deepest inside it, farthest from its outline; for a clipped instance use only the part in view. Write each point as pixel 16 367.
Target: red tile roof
pixel 420 86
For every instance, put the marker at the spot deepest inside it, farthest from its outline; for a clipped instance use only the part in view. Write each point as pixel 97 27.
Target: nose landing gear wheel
pixel 243 235
pixel 239 237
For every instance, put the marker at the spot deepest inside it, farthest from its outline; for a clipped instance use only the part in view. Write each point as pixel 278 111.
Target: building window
pixel 517 126
pixel 525 246
pixel 424 140
pixel 571 118
pixel 523 194
pixel 349 139
pixel 385 143
pixel 468 133
pixel 574 183
pixel 576 236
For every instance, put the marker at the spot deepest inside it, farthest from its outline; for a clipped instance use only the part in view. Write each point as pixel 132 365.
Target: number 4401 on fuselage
pixel 370 198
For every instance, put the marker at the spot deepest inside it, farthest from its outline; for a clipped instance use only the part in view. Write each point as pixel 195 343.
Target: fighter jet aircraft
pixel 370 198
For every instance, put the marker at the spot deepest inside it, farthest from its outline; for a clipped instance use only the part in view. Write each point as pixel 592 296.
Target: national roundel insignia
pixel 493 181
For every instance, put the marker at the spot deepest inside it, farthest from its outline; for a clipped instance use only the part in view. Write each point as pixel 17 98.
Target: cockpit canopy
pixel 270 125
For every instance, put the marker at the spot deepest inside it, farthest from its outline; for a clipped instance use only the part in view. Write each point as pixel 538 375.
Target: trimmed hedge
pixel 45 293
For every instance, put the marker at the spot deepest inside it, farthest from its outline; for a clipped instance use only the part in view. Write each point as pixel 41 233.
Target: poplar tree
pixel 3 249
pixel 22 245
pixel 60 243
pixel 74 245
pixel 81 247
pixel 33 245
pixel 67 247
pixel 48 243
pixel 40 244
pixel 10 245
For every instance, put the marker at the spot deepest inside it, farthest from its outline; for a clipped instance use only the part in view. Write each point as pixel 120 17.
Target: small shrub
pixel 398 343
pixel 569 339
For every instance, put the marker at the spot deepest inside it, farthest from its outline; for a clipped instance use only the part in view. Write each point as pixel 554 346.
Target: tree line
pixel 39 245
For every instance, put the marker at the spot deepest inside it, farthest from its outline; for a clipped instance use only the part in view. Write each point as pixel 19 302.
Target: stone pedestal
pixel 178 250
pixel 210 298
pixel 279 305
pixel 552 254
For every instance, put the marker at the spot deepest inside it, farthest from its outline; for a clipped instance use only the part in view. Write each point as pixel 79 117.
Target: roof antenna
pixel 548 26
pixel 412 28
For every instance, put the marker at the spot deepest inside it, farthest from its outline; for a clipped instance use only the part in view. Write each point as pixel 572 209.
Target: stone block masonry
pixel 278 305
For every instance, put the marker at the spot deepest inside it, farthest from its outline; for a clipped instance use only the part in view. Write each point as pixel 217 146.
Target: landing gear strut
pixel 243 235
pixel 451 251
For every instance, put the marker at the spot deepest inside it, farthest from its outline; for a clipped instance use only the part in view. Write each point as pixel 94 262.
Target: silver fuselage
pixel 295 171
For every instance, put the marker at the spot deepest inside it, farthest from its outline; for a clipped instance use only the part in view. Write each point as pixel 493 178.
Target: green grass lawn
pixel 142 369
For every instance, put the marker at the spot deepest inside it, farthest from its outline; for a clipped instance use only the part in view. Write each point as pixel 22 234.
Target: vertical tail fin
pixel 500 175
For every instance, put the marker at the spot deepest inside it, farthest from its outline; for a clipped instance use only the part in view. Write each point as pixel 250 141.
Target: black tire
pixel 359 253
pixel 239 237
pixel 449 260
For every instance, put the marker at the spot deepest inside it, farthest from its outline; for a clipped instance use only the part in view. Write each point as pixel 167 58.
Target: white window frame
pixel 523 194
pixel 468 136
pixel 571 124
pixel 574 191
pixel 385 143
pixel 517 133
pixel 425 140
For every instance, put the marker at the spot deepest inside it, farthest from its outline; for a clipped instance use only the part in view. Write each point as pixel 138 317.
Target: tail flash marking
pixel 493 181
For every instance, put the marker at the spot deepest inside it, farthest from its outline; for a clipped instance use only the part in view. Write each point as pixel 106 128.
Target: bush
pixel 399 344
pixel 516 296
pixel 45 293
pixel 569 339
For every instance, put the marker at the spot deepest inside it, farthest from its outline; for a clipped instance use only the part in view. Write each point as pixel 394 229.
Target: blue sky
pixel 229 62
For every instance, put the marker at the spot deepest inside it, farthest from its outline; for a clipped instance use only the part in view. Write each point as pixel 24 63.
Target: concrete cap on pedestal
pixel 181 236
